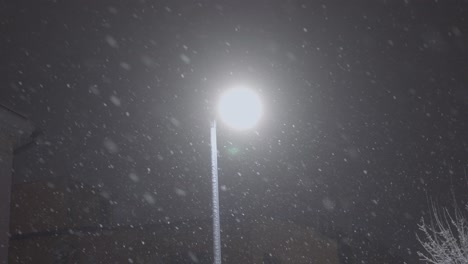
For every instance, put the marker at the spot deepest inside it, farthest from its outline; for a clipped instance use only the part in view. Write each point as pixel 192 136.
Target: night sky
pixel 366 107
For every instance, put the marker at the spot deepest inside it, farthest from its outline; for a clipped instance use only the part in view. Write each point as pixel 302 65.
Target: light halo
pixel 240 108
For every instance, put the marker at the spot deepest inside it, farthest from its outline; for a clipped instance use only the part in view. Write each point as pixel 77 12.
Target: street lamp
pixel 240 108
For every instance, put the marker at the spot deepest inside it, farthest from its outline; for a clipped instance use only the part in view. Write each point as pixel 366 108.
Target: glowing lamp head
pixel 240 108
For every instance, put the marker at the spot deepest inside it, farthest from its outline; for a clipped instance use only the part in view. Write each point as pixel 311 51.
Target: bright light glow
pixel 240 108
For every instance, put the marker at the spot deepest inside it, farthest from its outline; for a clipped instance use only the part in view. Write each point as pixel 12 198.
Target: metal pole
pixel 6 161
pixel 215 188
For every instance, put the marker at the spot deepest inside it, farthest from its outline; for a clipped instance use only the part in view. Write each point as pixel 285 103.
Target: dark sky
pixel 365 120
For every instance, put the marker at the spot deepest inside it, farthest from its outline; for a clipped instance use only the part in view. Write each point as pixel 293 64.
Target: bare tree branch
pixel 445 240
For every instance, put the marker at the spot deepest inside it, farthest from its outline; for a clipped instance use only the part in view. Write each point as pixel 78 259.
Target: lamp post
pixel 240 108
